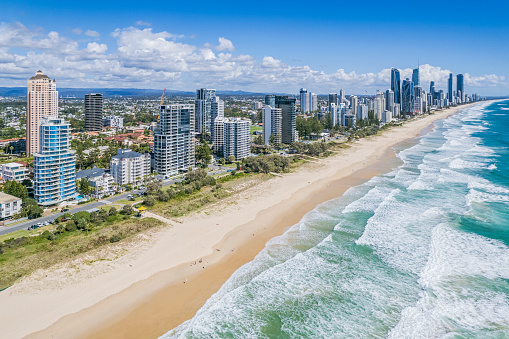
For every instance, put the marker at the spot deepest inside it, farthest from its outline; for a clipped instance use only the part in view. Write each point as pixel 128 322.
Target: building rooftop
pixel 39 75
pixel 90 173
pixel 125 155
pixel 5 198
pixel 13 165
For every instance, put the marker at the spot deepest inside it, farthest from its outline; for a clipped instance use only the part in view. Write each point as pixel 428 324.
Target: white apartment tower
pixel 304 101
pixel 55 163
pixel 216 111
pixel 272 119
pixel 42 101
pixel 128 167
pixel 231 137
pixel 174 139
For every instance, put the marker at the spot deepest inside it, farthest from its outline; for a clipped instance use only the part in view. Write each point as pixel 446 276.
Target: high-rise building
pixel 203 108
pixel 55 163
pixel 93 112
pixel 396 85
pixel 231 137
pixel 129 167
pixel 42 101
pixel 304 101
pixel 335 114
pixel 174 139
pixel 216 111
pixel 418 93
pixel 432 88
pixel 389 99
pixel 272 124
pixel 449 89
pixel 342 98
pixel 362 112
pixel 379 105
pixel 313 102
pixel 333 99
pixel 354 101
pixel 287 105
pixel 407 97
pixel 460 88
pixel 113 122
pixel 270 100
pixel 415 76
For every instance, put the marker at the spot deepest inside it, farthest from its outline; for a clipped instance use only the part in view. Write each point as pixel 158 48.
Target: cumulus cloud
pixel 93 34
pixel 148 58
pixel 77 31
pixel 225 45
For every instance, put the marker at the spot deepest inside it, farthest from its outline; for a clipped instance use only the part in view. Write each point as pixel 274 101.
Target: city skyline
pixel 139 49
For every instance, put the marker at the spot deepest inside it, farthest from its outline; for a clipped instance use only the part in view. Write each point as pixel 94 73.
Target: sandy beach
pixel 144 290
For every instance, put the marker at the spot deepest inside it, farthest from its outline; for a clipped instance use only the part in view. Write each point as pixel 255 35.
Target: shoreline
pixel 148 297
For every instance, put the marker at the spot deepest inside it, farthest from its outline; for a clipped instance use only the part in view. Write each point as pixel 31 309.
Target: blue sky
pixel 254 46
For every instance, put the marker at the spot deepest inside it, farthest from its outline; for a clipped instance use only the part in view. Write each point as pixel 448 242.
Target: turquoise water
pixel 421 252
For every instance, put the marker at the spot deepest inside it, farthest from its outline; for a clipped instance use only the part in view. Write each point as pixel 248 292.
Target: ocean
pixel 420 252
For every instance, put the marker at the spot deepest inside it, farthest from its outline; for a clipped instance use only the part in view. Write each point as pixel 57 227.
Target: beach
pixel 162 281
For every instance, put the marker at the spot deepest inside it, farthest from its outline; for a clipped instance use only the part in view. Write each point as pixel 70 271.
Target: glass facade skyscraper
pixel 415 76
pixel 287 106
pixel 396 85
pixel 449 89
pixel 93 112
pixel 203 110
pixel 460 88
pixel 407 97
pixel 55 163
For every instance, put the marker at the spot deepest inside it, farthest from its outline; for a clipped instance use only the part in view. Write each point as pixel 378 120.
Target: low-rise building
pixel 13 171
pixel 113 122
pixel 9 205
pixel 128 167
pixel 98 178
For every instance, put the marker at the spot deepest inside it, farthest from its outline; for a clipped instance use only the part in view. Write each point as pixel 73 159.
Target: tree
pixel 202 154
pixel 112 211
pixel 149 201
pixel 27 183
pixel 231 159
pixel 81 215
pixel 195 175
pixel 16 189
pixel 154 186
pixel 127 209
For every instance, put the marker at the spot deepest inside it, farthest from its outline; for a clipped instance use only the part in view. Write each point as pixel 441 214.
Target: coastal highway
pixel 96 204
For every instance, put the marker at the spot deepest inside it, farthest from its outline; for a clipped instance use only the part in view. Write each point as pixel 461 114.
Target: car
pixel 65 209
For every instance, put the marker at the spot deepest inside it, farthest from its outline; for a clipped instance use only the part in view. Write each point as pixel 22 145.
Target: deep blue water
pixel 421 252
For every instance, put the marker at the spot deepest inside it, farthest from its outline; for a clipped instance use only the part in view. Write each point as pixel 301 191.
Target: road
pixel 96 204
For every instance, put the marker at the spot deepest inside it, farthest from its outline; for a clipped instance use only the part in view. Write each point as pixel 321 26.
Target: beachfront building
pixel 407 97
pixel 13 171
pixel 129 167
pixel 216 111
pixel 99 179
pixel 93 112
pixel 304 101
pixel 42 101
pixel 449 89
pixel 396 85
pixel 460 88
pixel 203 110
pixel 55 163
pixel 174 139
pixel 272 124
pixel 288 131
pixel 415 76
pixel 232 137
pixel 9 205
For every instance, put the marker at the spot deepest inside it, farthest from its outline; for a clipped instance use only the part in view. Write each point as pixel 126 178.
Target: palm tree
pixel 11 148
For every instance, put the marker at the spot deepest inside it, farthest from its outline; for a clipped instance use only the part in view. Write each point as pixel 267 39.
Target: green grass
pixel 26 254
pixel 253 128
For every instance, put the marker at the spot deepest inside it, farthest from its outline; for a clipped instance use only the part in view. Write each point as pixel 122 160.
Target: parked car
pixel 64 210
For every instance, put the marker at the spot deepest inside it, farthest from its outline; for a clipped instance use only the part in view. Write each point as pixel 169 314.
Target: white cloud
pixel 143 23
pixel 77 31
pixel 144 58
pixel 225 45
pixel 93 34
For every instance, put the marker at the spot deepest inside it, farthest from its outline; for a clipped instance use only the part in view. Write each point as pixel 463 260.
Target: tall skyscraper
pixel 415 76
pixel 407 97
pixel 342 98
pixel 396 85
pixel 272 124
pixel 54 163
pixel 313 102
pixel 42 101
pixel 335 114
pixel 287 105
pixel 449 89
pixel 304 101
pixel 216 111
pixel 432 88
pixel 333 99
pixel 203 109
pixel 174 139
pixel 460 88
pixel 93 112
pixel 389 100
pixel 354 101
pixel 270 100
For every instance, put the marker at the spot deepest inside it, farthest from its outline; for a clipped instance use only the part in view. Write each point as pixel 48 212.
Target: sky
pixel 256 46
